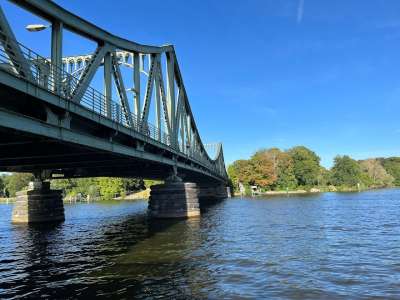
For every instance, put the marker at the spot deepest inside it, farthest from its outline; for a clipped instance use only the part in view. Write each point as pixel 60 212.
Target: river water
pixel 323 246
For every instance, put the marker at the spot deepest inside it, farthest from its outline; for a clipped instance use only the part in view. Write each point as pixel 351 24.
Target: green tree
pixel 85 187
pixel 17 182
pixel 324 177
pixel 107 187
pixel 240 171
pixel 345 171
pixel 148 183
pixel 283 170
pixel 67 185
pixel 133 184
pixel 305 164
pixel 392 166
pixel 2 186
pixel 110 187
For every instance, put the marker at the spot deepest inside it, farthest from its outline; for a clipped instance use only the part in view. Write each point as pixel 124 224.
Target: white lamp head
pixel 36 27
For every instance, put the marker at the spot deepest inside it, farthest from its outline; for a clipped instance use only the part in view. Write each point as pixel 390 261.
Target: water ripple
pixel 327 246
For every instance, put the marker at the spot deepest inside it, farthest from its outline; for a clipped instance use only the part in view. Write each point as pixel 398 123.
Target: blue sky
pixel 269 73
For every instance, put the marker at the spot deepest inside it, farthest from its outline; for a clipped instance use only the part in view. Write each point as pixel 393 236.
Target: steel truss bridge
pixel 54 123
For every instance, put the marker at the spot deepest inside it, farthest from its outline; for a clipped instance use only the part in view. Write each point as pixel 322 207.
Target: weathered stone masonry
pixel 38 204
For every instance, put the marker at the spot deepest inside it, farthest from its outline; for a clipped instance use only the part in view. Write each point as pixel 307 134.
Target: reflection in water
pixel 328 246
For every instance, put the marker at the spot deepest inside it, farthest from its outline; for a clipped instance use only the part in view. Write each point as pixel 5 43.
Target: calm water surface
pixel 327 246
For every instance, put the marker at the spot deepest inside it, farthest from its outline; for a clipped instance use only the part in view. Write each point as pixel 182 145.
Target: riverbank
pixel 329 189
pixel 145 194
pixel 7 200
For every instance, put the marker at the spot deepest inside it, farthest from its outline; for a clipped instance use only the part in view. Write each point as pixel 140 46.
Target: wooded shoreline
pixel 273 171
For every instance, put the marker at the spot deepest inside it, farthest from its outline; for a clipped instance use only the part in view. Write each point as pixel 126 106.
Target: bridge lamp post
pixel 56 48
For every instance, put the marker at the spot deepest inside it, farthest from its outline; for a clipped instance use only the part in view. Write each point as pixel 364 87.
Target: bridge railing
pixel 45 75
pixel 61 83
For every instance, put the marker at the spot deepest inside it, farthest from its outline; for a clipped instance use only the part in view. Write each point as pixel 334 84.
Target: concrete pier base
pixel 174 200
pixel 38 204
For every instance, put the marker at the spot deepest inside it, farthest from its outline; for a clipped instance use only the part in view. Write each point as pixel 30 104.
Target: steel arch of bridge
pixel 70 78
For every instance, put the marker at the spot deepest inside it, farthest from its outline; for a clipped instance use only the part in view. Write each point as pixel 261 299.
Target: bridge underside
pixel 35 136
pixel 24 152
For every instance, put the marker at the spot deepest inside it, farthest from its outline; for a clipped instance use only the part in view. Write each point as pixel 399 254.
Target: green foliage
pixel 299 167
pixel 149 183
pixel 133 184
pixel 16 182
pixel 267 168
pixel 240 171
pixel 346 171
pixel 102 187
pixel 392 166
pixel 324 177
pixel 110 187
pixel 63 184
pixel 2 186
pixel 285 172
pixel 306 165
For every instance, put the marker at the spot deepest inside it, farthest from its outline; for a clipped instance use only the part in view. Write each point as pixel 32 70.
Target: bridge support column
pixel 38 204
pixel 212 193
pixel 174 200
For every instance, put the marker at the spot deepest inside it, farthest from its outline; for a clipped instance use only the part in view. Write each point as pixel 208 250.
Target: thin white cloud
pixel 300 11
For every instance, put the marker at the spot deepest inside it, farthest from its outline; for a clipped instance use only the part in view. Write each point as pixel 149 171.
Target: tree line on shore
pixel 94 188
pixel 268 169
pixel 299 168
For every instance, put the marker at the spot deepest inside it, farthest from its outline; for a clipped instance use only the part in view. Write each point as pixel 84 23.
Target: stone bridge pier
pixel 173 199
pixel 38 204
pixel 177 199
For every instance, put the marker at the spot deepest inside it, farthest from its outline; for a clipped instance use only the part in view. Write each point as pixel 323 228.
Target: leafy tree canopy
pixel 392 166
pixel 346 171
pixel 306 165
pixel 376 172
pixel 16 182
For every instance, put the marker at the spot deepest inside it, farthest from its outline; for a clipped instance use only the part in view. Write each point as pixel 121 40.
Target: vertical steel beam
pixel 182 131
pixel 136 82
pixel 171 93
pixel 188 134
pixel 119 83
pixel 107 84
pixel 179 111
pixel 158 105
pixel 158 95
pixel 147 96
pixel 164 99
pixel 56 54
